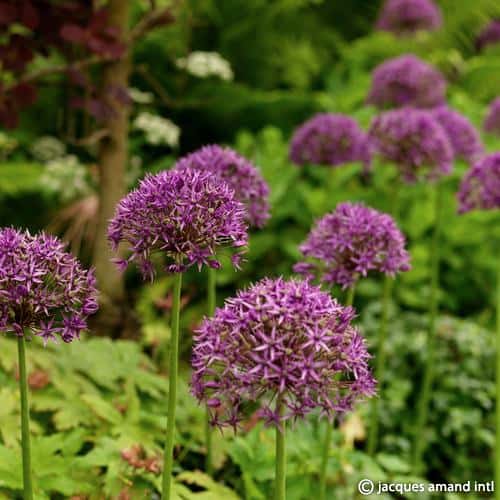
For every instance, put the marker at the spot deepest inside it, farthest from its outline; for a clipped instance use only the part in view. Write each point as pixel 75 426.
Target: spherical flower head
pixel 43 288
pixel 407 81
pixel 284 340
pixel 350 242
pixel 490 35
pixel 415 141
pixel 480 187
pixel 185 215
pixel 240 174
pixel 330 139
pixel 408 16
pixel 463 136
pixel 492 122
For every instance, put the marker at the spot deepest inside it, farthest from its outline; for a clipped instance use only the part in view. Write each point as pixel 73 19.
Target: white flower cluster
pixel 206 64
pixel 139 96
pixel 65 177
pixel 157 130
pixel 47 148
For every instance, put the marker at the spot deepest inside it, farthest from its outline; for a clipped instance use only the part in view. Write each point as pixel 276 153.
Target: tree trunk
pixel 112 159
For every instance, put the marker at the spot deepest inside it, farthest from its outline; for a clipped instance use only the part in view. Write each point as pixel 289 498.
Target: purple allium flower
pixel 464 138
pixel 409 16
pixel 330 139
pixel 492 121
pixel 480 187
pixel 415 141
pixel 489 35
pixel 42 287
pixel 184 215
pixel 407 81
pixel 249 186
pixel 283 339
pixel 351 241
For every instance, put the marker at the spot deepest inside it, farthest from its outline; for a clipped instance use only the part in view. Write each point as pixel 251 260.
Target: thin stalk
pixel 428 376
pixel 211 300
pixel 381 362
pixel 172 389
pixel 497 451
pixel 25 420
pixel 329 427
pixel 280 487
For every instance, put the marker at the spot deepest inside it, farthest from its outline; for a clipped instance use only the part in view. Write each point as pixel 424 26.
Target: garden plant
pixel 249 250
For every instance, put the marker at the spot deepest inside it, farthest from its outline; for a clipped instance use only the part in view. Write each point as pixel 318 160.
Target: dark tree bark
pixel 112 159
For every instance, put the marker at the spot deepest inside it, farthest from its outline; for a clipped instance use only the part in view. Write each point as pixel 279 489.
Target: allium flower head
pixel 240 174
pixel 351 241
pixel 407 81
pixel 463 136
pixel 492 122
pixel 284 339
pixel 42 287
pixel 490 35
pixel 186 215
pixel 409 16
pixel 415 141
pixel 480 187
pixel 330 139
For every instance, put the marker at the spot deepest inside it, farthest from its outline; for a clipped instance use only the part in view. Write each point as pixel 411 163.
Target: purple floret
pixel 242 176
pixel 43 288
pixel 415 141
pixel 490 35
pixel 185 215
pixel 280 339
pixel 407 81
pixel 464 138
pixel 409 16
pixel 330 139
pixel 349 243
pixel 492 122
pixel 480 187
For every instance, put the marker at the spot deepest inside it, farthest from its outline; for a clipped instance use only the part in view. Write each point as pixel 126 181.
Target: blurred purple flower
pixel 490 35
pixel 492 121
pixel 407 81
pixel 350 242
pixel 464 138
pixel 184 215
pixel 415 141
pixel 409 16
pixel 249 186
pixel 43 288
pixel 284 339
pixel 330 139
pixel 480 187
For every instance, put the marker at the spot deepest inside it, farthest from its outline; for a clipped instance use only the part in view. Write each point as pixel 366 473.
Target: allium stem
pixel 280 487
pixel 329 426
pixel 25 420
pixel 172 389
pixel 497 451
pixel 211 300
pixel 380 366
pixel 428 376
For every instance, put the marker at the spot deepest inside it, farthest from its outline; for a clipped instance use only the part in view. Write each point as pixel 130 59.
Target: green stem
pixel 172 389
pixel 380 366
pixel 211 300
pixel 428 376
pixel 497 458
pixel 280 487
pixel 329 427
pixel 25 419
